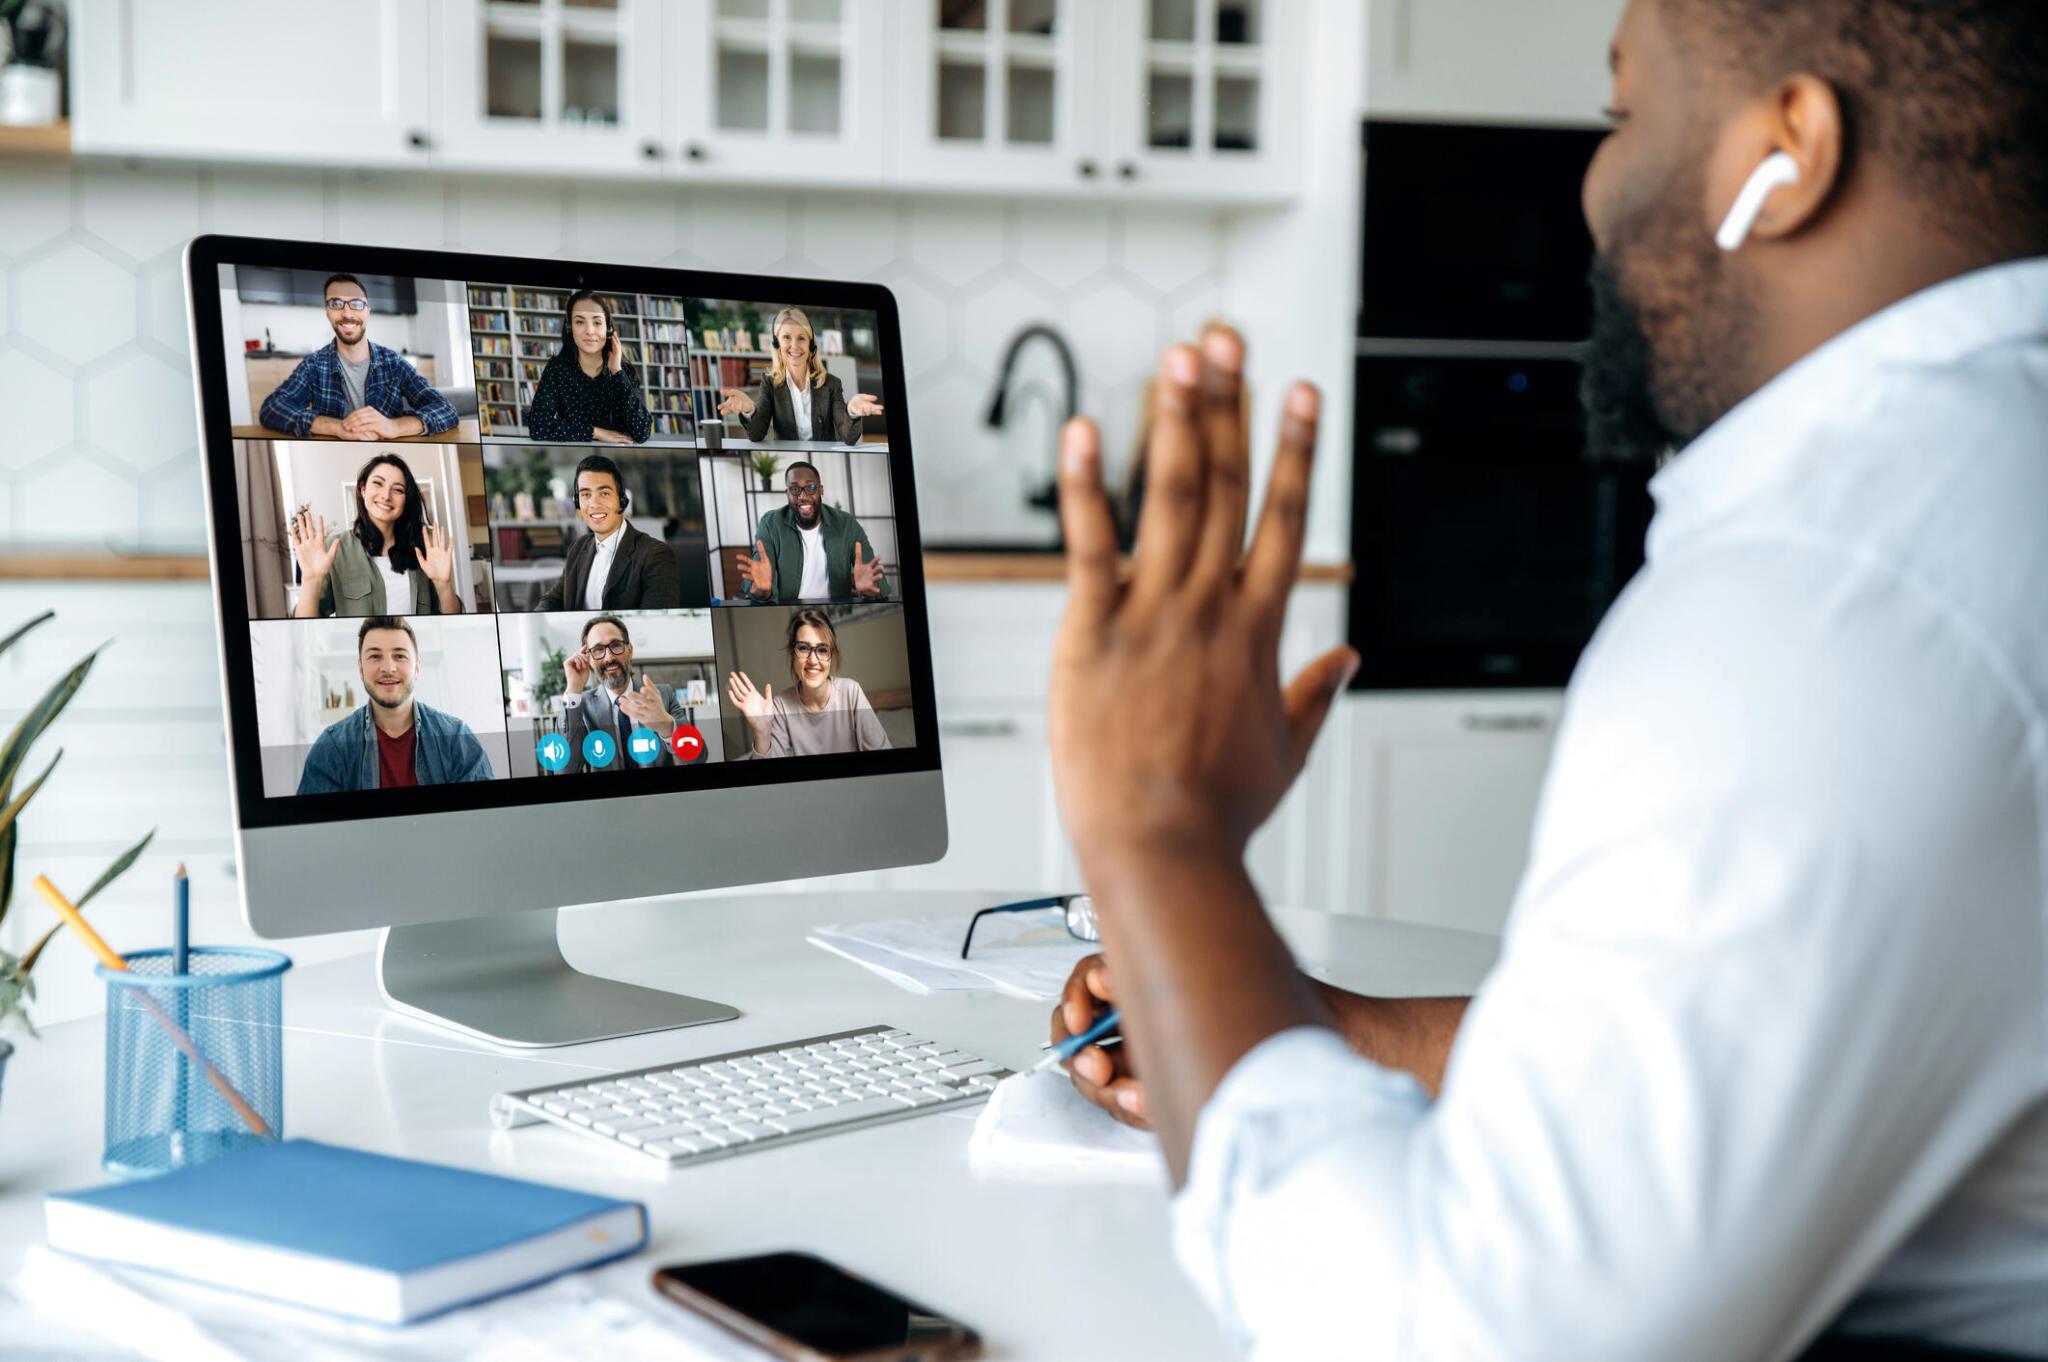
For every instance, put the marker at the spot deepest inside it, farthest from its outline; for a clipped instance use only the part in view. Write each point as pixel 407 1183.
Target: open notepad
pixel 1036 1125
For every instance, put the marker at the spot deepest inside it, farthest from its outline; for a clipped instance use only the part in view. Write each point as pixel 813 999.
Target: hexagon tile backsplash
pixel 99 446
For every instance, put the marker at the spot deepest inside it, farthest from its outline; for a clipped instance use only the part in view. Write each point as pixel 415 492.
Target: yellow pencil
pixel 108 957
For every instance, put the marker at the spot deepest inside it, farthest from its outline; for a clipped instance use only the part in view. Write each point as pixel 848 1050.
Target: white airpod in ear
pixel 1777 171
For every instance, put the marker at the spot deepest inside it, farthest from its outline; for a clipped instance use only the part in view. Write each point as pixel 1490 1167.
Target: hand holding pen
pixel 1100 1069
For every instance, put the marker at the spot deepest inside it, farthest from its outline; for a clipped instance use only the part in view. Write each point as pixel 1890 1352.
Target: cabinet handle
pixel 980 728
pixel 418 140
pixel 1087 169
pixel 1505 723
pixel 695 151
pixel 651 150
pixel 1128 170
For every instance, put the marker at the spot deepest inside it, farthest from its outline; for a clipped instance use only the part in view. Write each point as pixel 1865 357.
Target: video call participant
pixel 589 390
pixel 393 740
pixel 803 401
pixel 353 388
pixel 616 706
pixel 808 551
pixel 390 562
pixel 615 567
pixel 824 713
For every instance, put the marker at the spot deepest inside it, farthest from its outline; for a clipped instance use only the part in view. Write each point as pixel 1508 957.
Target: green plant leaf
pixel 9 836
pixel 118 868
pixel 13 809
pixel 11 639
pixel 113 872
pixel 36 720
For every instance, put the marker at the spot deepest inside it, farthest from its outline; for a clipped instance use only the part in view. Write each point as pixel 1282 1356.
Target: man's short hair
pixel 334 279
pixel 801 464
pixel 1952 95
pixel 386 622
pixel 613 620
pixel 598 463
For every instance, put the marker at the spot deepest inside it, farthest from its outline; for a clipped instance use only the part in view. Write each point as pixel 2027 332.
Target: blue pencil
pixel 1074 1045
pixel 181 922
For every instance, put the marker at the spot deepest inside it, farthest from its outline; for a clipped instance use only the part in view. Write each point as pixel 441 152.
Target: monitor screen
pixel 544 531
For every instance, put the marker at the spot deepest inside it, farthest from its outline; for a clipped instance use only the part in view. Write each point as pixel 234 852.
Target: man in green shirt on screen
pixel 808 551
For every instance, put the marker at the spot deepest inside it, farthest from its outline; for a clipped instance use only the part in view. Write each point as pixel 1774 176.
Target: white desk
pixel 1044 1271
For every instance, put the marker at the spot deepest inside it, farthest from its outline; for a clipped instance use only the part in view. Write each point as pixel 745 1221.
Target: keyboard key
pixel 979 1066
pixel 620 1125
pixel 798 1121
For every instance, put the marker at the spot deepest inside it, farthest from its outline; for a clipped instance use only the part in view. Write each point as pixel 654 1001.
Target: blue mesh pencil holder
pixel 195 1061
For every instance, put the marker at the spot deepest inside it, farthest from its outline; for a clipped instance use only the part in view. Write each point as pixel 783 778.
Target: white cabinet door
pixel 999 94
pixel 1001 825
pixel 789 92
pixel 1443 794
pixel 569 86
pixel 1202 98
pixel 325 82
pixel 1499 60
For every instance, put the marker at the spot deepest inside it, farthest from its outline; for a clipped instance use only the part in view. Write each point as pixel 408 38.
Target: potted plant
pixel 765 463
pixel 31 91
pixel 17 985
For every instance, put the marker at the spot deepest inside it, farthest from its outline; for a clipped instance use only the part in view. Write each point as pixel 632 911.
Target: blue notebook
pixel 355 1234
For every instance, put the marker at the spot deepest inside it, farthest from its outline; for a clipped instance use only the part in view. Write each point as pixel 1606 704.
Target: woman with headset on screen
pixel 589 390
pixel 389 562
pixel 822 712
pixel 797 395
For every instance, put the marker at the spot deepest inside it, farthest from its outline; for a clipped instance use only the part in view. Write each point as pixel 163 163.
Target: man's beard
pixel 1670 333
pixel 382 703
pixel 806 515
pixel 615 676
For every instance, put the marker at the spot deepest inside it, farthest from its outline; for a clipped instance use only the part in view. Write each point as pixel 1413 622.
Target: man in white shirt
pixel 615 567
pixel 1766 1050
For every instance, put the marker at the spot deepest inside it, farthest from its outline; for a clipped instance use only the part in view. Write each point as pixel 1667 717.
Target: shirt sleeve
pixel 289 408
pixel 1771 987
pixel 634 422
pixel 436 412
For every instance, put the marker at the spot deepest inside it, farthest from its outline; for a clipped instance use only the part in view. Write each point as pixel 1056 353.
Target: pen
pixel 1074 1045
pixel 112 960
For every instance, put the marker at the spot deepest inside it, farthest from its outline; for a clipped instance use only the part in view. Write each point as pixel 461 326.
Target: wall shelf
pixel 50 141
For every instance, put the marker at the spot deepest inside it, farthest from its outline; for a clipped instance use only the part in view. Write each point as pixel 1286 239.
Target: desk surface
pixel 729 445
pixel 897 1202
pixel 465 433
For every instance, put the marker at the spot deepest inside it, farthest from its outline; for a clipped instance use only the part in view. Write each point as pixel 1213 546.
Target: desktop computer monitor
pixel 544 583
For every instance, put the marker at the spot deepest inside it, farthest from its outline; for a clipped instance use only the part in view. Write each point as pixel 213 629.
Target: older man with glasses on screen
pixel 808 551
pixel 353 388
pixel 617 706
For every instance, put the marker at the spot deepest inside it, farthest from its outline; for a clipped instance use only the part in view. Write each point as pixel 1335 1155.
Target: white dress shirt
pixel 800 403
pixel 1767 1045
pixel 601 567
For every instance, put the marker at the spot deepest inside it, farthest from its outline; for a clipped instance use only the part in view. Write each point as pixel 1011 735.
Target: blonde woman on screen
pixel 796 396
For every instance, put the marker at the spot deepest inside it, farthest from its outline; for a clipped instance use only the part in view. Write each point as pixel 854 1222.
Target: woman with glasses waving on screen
pixel 801 400
pixel 823 712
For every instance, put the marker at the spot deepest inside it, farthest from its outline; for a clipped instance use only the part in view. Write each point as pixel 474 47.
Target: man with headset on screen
pixel 1764 1054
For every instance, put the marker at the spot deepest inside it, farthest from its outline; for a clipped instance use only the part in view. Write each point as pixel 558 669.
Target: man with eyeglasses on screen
pixel 808 551
pixel 352 388
pixel 616 706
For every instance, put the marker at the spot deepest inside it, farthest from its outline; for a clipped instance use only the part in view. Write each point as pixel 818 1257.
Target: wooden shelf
pixel 938 567
pixel 53 140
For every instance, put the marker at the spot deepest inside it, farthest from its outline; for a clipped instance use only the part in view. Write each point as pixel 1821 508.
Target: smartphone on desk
pixel 804 1309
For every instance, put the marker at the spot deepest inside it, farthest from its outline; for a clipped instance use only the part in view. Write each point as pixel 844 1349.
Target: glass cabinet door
pixel 572 81
pixel 775 79
pixel 1203 106
pixel 992 89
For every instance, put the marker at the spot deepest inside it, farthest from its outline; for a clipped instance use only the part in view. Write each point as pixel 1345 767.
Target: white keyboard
pixel 757 1099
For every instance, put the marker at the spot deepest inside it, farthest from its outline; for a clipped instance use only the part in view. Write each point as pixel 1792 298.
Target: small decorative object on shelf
pixel 765 464
pixel 17 987
pixel 31 91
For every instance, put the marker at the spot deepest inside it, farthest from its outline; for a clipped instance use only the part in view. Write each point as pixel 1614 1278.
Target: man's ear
pixel 1802 118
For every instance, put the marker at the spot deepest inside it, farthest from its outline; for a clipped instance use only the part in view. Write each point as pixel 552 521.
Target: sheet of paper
pixel 915 976
pixel 1036 1125
pixel 609 1312
pixel 1028 955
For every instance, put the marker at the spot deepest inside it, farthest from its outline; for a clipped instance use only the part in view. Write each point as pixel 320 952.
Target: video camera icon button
pixel 687 743
pixel 599 747
pixel 553 752
pixel 643 745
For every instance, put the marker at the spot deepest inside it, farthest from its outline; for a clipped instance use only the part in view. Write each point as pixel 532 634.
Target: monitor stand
pixel 504 979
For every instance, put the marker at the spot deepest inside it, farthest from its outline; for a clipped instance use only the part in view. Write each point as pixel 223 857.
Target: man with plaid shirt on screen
pixel 353 388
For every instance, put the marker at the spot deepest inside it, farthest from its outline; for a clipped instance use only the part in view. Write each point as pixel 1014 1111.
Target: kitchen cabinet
pixel 526 83
pixel 1145 98
pixel 1489 60
pixel 344 82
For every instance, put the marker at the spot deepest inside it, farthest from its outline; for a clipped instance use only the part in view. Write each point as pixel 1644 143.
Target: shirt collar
pixel 610 543
pixel 1764 438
